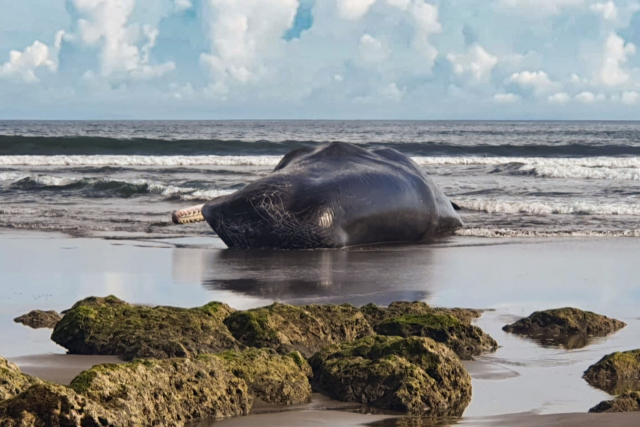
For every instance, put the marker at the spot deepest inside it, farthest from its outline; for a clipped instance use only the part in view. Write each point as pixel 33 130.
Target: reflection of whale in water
pixel 380 275
pixel 331 196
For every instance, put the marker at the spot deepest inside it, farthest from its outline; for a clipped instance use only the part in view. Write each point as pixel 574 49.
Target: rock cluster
pixel 110 326
pixel 38 319
pixel 212 361
pixel 150 392
pixel 415 375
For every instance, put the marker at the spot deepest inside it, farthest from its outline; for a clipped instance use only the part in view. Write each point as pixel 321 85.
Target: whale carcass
pixel 331 196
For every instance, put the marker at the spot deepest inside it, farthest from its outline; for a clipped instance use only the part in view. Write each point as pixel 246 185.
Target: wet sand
pixel 511 277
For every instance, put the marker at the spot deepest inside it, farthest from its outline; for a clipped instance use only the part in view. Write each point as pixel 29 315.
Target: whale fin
pixel 456 207
pixel 188 215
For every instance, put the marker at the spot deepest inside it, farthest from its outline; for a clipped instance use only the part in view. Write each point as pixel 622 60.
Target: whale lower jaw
pixel 188 215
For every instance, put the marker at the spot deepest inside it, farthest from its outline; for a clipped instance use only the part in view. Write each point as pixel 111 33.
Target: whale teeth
pixel 188 215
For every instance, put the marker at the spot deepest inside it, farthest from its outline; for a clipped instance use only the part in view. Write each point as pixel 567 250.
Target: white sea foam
pixel 185 193
pixel 506 232
pixel 168 161
pixel 581 172
pixel 205 194
pixel 544 207
pixel 158 161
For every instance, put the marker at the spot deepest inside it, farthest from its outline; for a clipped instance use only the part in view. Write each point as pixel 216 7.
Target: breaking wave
pixel 216 160
pixel 104 187
pixel 541 207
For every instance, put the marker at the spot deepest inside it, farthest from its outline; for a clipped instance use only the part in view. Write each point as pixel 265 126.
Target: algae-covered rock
pixel 306 329
pixel 627 402
pixel 166 392
pixel 139 394
pixel 12 381
pixel 274 378
pixel 464 339
pixel 110 326
pixel 376 314
pixel 37 319
pixel 565 321
pixel 51 405
pixel 615 371
pixel 416 375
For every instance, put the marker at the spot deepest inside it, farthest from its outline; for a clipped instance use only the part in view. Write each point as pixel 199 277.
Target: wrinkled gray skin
pixel 333 196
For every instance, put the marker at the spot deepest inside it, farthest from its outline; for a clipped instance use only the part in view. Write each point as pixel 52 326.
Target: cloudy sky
pixel 324 59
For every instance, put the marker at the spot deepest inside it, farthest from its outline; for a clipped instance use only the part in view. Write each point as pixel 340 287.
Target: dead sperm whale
pixel 331 196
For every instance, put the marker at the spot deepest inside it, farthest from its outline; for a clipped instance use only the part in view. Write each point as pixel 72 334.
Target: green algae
pixel 306 329
pixel 110 326
pixel 465 339
pixel 416 375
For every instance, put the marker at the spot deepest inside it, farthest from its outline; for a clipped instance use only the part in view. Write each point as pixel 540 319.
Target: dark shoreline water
pixel 414 138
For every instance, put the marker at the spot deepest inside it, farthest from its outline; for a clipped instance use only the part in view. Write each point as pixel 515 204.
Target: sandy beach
pixel 509 277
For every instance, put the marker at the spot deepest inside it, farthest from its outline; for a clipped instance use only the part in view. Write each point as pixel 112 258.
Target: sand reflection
pixel 379 275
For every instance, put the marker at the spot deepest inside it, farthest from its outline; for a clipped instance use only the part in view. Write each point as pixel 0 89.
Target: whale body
pixel 331 196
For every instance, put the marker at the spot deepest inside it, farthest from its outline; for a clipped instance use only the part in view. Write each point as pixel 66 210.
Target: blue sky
pixel 319 59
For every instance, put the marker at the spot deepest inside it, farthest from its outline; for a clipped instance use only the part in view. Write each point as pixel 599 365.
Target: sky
pixel 320 59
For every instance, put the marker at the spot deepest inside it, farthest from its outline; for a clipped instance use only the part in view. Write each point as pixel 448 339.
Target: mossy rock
pixel 415 375
pixel 627 402
pixel 110 326
pixel 464 339
pixel 38 319
pixel 12 380
pixel 376 314
pixel 166 392
pixel 143 393
pixel 615 372
pixel 306 329
pixel 564 321
pixel 274 378
pixel 52 405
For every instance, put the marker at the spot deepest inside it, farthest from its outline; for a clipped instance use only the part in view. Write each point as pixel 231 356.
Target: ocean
pixel 512 179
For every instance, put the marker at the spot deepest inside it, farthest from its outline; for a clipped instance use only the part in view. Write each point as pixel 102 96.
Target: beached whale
pixel 331 196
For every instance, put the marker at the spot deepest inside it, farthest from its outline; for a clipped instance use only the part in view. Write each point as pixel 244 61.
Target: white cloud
pixel 23 65
pixel 105 24
pixel 586 97
pixel 506 98
pixel 630 97
pixel 615 55
pixel 608 10
pixel 243 36
pixel 371 49
pixel 354 9
pixel 559 98
pixel 183 4
pixel 425 16
pixel 539 81
pixel 476 61
pixel 539 7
